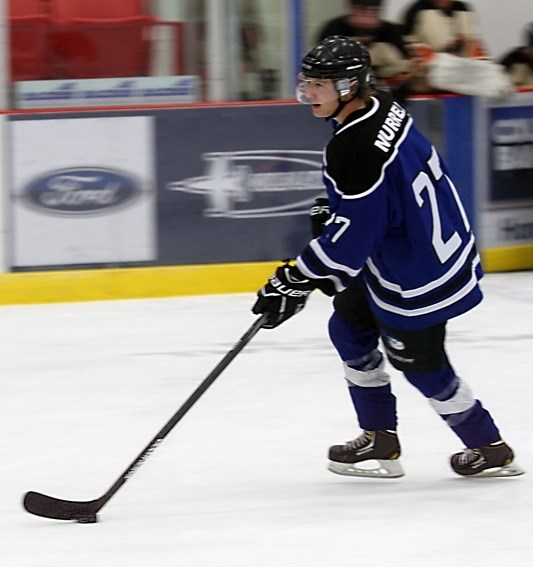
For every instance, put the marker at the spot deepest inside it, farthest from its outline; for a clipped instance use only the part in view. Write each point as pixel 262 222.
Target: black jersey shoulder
pixel 367 140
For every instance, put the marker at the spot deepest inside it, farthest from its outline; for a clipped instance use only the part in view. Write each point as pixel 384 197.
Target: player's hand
pixel 284 295
pixel 319 215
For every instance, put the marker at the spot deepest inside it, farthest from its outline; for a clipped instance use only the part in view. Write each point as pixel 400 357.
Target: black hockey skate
pixel 359 457
pixel 494 460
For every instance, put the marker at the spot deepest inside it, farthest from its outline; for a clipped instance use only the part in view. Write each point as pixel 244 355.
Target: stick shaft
pixel 59 509
pixel 180 413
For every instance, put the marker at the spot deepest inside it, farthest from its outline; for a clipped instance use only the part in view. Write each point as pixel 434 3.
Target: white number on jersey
pixel 423 182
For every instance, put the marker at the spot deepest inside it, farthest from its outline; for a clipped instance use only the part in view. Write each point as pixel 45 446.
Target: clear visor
pixel 319 91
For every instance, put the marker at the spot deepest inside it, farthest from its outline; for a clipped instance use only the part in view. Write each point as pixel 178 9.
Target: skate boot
pixel 374 454
pixel 494 460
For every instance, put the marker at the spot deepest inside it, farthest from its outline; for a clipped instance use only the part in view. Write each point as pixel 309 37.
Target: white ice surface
pixel 242 479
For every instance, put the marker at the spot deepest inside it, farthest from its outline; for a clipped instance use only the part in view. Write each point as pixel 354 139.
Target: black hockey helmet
pixel 341 59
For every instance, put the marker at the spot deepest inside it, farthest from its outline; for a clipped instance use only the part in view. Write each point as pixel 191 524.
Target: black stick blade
pixel 57 509
pixel 85 512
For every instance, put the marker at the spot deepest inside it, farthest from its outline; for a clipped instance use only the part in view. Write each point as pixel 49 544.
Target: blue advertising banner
pixel 235 184
pixel 505 191
pixel 511 159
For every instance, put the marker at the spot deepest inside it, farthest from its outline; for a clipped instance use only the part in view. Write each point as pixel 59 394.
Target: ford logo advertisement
pixel 82 191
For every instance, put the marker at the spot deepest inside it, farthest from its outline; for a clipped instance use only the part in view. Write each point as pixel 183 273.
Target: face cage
pixel 342 87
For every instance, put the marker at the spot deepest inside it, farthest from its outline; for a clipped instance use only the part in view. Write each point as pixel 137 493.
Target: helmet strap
pixel 340 106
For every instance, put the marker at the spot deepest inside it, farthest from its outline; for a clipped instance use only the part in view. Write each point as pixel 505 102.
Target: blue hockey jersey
pixel 397 222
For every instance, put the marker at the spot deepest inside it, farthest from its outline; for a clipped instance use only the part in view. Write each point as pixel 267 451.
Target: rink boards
pixel 150 202
pixel 132 283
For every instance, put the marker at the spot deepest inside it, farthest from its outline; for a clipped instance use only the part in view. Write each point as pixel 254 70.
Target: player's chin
pixel 317 110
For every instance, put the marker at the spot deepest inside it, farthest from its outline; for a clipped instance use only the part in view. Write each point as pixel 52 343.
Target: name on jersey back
pixel 391 125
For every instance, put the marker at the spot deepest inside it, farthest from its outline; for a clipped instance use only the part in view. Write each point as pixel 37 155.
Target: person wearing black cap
pixel 446 26
pixel 392 61
pixel 519 62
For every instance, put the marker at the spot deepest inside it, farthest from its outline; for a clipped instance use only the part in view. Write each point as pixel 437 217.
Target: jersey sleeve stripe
pixel 314 263
pixel 315 246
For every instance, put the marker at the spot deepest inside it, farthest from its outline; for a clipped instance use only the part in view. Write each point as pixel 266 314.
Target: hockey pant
pixel 419 355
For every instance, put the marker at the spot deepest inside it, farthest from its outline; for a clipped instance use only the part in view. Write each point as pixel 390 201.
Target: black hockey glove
pixel 319 214
pixel 283 295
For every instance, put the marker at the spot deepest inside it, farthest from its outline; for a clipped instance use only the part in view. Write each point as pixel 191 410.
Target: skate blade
pixel 384 469
pixel 511 469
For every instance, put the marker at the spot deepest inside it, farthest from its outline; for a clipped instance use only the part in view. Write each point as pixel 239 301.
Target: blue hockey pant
pixel 421 357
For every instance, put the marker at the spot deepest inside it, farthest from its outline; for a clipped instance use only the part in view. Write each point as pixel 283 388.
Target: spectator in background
pixel 392 61
pixel 519 62
pixel 445 26
pixel 258 82
pixel 445 34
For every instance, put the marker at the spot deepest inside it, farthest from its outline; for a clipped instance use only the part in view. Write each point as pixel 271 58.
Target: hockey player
pixel 398 254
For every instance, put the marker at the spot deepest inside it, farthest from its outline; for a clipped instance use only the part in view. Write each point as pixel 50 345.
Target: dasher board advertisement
pixel 106 92
pixel 235 184
pixel 506 179
pixel 82 191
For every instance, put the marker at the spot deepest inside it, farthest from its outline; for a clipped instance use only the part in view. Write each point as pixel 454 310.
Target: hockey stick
pixel 85 511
